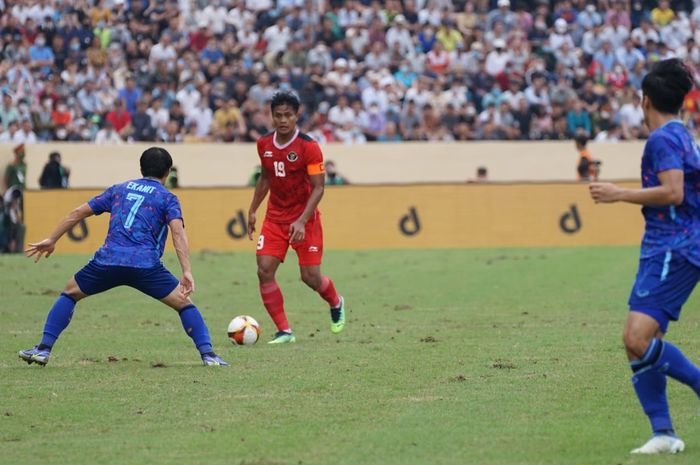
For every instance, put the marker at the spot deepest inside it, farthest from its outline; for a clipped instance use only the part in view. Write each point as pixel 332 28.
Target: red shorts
pixel 274 241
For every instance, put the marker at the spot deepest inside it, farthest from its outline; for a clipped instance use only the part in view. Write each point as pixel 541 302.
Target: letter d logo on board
pixel 409 224
pixel 237 227
pixel 81 234
pixel 570 222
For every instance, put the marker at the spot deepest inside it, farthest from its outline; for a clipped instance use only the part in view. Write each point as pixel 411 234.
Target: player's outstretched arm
pixel 670 192
pixel 261 189
pixel 47 246
pixel 182 249
pixel 297 230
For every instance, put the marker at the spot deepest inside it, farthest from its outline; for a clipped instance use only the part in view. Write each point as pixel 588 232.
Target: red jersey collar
pixel 282 147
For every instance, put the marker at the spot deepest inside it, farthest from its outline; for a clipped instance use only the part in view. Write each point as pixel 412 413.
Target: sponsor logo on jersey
pixel 267 154
pixel 292 156
pixel 313 248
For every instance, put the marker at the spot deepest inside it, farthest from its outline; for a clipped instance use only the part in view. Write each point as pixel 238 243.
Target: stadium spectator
pixel 54 175
pixel 333 177
pixel 62 68
pixel 16 171
pixel 15 214
pixel 108 134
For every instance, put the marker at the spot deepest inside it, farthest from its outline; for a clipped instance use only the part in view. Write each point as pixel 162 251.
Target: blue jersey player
pixel 669 265
pixel 140 213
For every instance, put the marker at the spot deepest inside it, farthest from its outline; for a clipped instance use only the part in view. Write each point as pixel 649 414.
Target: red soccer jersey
pixel 288 168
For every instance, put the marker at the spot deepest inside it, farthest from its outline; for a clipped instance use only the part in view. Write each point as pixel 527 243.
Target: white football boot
pixel 662 444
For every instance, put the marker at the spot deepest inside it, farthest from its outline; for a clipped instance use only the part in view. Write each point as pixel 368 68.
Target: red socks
pixel 328 292
pixel 274 303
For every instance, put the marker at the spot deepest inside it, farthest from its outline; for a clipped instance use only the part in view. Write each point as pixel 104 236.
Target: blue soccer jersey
pixel 672 227
pixel 138 227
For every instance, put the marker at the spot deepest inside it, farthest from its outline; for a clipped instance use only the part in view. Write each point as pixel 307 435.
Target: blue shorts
pixel 156 282
pixel 664 283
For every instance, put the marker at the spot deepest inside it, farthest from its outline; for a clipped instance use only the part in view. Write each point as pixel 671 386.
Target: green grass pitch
pixel 450 357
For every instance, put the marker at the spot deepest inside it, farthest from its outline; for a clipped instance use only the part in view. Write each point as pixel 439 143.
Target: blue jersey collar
pixel 672 121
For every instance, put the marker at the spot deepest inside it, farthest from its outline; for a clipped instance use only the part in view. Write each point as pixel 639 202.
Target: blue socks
pixel 194 326
pixel 660 359
pixel 57 320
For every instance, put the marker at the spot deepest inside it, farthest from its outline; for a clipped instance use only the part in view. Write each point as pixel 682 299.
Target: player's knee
pixel 265 274
pixel 73 291
pixel 313 280
pixel 635 342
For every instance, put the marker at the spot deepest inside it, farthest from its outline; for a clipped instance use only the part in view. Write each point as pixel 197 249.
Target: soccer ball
pixel 243 331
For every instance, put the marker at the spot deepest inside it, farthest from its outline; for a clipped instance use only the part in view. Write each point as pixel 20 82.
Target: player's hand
pixel 43 248
pixel 187 284
pixel 604 192
pixel 251 224
pixel 297 232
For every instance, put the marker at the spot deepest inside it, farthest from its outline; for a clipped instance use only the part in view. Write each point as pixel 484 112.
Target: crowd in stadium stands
pixel 111 71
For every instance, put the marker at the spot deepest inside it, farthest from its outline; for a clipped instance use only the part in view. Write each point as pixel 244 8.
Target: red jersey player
pixel 292 170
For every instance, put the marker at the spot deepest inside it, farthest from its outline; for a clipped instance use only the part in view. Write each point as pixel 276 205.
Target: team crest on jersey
pixel 267 154
pixel 292 156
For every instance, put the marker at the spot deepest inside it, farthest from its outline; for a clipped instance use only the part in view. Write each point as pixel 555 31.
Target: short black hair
pixel 667 84
pixel 581 139
pixel 285 97
pixel 155 162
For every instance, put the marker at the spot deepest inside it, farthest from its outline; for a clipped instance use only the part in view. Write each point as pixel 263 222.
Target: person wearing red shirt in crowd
pixel 119 117
pixel 200 37
pixel 293 173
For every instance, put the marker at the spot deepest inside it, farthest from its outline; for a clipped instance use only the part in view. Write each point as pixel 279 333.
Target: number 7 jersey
pixel 140 211
pixel 288 168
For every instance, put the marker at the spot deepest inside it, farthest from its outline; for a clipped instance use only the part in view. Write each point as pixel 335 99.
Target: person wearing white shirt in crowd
pixel 202 117
pixel 589 17
pixel 518 55
pixel 690 52
pixel 536 93
pixel 567 56
pixel 247 36
pixel 163 51
pixel 560 35
pixel 349 15
pixel 377 58
pixel 615 33
pixel 278 36
pixel 341 114
pixel 159 115
pixel 238 16
pixel 215 15
pixel 612 134
pixel 12 134
pixel 675 34
pixel 359 39
pixel 632 118
pixel 375 94
pixel 26 134
pixel 41 10
pixel 497 59
pixel 339 77
pixel 398 32
pixel 513 95
pixel 21 12
pixel 107 135
pixel 430 15
pixel 418 93
pixel 188 97
pixel 592 40
pixel 628 56
pixel 258 6
pixel 350 133
pixel 644 33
